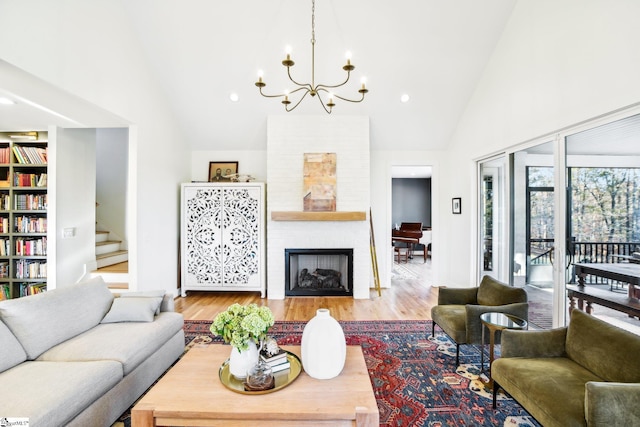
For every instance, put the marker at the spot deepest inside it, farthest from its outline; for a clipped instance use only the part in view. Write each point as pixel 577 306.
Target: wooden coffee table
pixel 191 394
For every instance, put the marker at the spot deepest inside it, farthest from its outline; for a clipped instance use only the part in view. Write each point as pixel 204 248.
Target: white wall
pixel 74 190
pixel 112 146
pixel 66 45
pixel 558 63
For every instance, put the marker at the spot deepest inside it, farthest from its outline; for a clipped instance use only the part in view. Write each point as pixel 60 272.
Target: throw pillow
pixel 11 352
pixel 145 294
pixel 132 310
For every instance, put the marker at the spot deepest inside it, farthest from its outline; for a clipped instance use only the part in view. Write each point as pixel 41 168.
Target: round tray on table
pixel 282 378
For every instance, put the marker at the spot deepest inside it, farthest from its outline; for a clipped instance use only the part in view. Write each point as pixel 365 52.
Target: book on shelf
pixel 5 202
pixel 30 269
pixel 30 155
pixel 27 289
pixel 30 246
pixel 5 293
pixel 5 155
pixel 4 269
pixel 29 224
pixel 30 202
pixel 21 179
pixel 5 250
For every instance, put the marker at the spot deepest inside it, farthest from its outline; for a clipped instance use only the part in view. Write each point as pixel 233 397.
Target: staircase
pixel 112 262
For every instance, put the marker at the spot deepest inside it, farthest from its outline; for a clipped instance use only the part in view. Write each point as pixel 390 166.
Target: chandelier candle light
pixel 312 88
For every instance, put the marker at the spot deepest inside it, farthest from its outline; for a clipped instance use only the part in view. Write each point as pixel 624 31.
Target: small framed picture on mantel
pixel 456 205
pixel 222 171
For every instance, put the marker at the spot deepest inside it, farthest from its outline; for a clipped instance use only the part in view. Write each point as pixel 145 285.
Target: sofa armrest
pixel 547 343
pixel 609 403
pixel 167 303
pixel 457 296
pixel 474 325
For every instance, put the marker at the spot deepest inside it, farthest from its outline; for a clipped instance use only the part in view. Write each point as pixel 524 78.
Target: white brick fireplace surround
pixel 288 138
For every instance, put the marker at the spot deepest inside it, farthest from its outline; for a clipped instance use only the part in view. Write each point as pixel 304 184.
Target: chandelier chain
pixel 313 21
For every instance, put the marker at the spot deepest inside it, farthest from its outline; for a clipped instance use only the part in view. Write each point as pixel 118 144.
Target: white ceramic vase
pixel 323 348
pixel 241 361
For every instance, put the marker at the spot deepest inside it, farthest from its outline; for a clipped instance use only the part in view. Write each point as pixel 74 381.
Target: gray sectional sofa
pixel 77 356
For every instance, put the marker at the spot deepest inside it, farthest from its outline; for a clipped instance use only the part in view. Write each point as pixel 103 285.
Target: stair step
pixel 102 236
pixel 108 246
pixel 110 254
pixel 108 242
pixel 111 258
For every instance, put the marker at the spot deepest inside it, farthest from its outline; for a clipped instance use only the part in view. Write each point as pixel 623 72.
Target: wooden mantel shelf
pixel 318 216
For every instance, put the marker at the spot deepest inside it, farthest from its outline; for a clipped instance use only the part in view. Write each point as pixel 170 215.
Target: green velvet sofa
pixel 585 374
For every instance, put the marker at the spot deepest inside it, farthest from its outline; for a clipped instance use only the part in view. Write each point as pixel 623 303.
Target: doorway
pixel 411 222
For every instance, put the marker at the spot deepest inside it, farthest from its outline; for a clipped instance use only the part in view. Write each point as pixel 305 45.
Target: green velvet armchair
pixel 459 309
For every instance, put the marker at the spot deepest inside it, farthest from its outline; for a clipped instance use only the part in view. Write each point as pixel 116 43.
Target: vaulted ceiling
pixel 202 51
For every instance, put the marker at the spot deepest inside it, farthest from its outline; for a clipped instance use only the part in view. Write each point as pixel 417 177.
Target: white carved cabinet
pixel 223 237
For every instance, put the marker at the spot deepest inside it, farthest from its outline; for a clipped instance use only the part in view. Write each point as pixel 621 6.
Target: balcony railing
pixel 602 252
pixel 589 252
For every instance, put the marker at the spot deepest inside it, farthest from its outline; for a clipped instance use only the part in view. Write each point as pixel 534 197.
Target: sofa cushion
pixel 592 343
pixel 52 394
pixel 130 343
pixel 11 352
pixel 551 389
pixel 494 292
pixel 132 310
pixel 452 320
pixel 43 320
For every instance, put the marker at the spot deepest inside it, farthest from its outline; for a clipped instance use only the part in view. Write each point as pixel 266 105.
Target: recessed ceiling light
pixel 234 97
pixel 6 101
pixel 404 98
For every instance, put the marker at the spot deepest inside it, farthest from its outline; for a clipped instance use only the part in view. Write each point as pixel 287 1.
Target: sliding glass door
pixel 493 248
pixel 573 197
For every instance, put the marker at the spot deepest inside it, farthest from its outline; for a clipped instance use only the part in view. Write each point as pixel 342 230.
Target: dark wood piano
pixel 409 233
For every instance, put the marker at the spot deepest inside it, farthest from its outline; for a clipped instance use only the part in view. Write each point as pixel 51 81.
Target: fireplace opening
pixel 318 272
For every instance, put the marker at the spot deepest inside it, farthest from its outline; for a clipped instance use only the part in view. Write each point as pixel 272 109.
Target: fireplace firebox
pixel 318 272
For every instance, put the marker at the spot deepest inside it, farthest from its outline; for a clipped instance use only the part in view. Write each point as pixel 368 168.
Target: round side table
pixel 497 322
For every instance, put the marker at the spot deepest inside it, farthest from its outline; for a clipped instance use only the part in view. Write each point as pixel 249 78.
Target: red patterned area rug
pixel 413 375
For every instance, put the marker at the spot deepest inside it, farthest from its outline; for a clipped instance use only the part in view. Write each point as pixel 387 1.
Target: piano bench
pixel 402 254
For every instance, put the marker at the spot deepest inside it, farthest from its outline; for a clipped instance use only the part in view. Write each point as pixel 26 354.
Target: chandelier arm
pixel 306 85
pixel 335 86
pixel 271 96
pixel 306 89
pixel 350 100
pixel 299 101
pixel 281 95
pixel 342 97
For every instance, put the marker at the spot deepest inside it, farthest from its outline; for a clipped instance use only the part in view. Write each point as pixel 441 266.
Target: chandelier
pixel 313 89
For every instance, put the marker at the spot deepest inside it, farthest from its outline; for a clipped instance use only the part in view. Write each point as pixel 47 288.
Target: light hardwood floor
pixel 409 298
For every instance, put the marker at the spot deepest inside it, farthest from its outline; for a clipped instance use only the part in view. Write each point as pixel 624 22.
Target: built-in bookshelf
pixel 23 216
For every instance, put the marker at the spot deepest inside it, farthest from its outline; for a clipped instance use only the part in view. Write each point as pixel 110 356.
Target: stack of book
pixel 278 361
